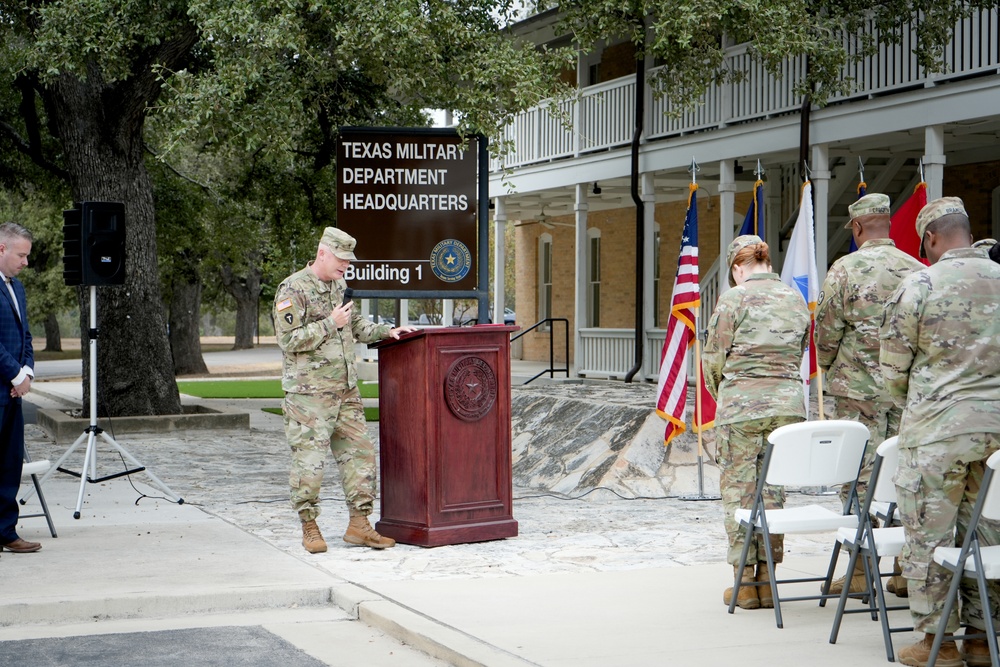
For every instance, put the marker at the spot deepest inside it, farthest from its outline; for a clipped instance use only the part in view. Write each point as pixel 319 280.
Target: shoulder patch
pixel 284 305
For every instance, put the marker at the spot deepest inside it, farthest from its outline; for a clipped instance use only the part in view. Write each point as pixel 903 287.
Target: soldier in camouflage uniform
pixel 751 361
pixel 939 361
pixel 848 315
pixel 322 407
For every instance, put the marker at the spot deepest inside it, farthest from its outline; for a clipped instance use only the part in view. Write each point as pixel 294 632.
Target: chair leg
pixel 949 603
pixel 838 616
pixel 771 575
pixel 825 588
pixel 738 570
pixel 45 506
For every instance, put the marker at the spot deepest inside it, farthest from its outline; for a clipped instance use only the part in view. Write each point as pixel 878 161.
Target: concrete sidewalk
pixel 599 581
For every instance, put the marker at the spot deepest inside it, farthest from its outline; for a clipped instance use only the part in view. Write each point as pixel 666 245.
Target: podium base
pixel 439 536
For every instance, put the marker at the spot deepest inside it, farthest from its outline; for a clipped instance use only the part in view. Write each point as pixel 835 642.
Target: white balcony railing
pixel 602 115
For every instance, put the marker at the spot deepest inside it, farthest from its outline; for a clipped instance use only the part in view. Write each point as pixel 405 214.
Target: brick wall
pixel 617 228
pixel 975 184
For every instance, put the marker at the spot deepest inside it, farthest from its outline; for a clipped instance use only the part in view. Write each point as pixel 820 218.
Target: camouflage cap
pixel 738 244
pixel 935 209
pixel 873 203
pixel 340 242
pixel 985 243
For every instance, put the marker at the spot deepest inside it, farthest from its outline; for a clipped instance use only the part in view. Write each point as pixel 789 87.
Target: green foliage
pixel 251 388
pixel 690 37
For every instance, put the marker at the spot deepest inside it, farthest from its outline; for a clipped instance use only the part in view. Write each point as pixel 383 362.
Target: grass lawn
pixel 236 388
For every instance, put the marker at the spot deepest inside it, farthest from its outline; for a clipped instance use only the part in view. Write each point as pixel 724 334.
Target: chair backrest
pixel 816 453
pixel 991 504
pixel 884 490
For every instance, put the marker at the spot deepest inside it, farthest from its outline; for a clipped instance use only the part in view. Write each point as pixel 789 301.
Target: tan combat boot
pixel 312 540
pixel 360 532
pixel 747 599
pixel 764 592
pixel 896 583
pixel 858 584
pixel 918 654
pixel 975 652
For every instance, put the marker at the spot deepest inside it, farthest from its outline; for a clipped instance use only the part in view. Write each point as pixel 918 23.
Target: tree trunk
pixel 245 290
pixel 185 339
pixel 53 337
pixel 101 134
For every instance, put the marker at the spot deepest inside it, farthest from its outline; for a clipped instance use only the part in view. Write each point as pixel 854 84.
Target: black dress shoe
pixel 20 546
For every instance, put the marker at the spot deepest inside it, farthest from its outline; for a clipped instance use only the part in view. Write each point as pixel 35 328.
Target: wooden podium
pixel 444 432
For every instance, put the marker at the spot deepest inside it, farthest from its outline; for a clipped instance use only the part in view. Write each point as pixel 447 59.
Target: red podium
pixel 444 432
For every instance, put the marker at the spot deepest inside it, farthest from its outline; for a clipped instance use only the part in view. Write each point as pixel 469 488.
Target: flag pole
pixel 697 422
pixel 819 389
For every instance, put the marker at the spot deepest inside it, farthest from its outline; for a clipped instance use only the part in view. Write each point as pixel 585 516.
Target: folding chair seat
pixel 973 560
pixel 31 470
pixel 869 544
pixel 807 454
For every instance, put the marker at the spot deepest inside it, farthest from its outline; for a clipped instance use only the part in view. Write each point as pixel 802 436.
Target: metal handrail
pixel 552 356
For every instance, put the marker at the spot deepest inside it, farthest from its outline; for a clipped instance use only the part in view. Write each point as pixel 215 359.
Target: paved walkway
pixel 598 581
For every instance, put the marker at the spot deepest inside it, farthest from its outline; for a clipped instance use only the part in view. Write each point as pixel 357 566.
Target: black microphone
pixel 348 293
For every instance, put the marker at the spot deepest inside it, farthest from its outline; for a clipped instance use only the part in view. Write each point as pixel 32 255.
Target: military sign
pixel 410 198
pixel 470 388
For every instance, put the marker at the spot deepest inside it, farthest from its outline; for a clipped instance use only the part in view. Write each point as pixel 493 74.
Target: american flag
pixel 671 392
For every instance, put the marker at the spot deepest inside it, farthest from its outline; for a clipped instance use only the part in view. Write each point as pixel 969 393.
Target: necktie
pixel 13 297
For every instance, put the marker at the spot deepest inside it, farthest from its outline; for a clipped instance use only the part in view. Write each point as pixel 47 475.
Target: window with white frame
pixel 544 277
pixel 656 276
pixel 593 277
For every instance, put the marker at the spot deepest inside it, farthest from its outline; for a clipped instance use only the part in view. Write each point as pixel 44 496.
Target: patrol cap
pixel 340 242
pixel 738 244
pixel 937 209
pixel 873 203
pixel 985 243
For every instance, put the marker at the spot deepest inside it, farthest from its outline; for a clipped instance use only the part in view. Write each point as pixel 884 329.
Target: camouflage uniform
pixel 322 404
pixel 751 362
pixel 939 361
pixel 848 315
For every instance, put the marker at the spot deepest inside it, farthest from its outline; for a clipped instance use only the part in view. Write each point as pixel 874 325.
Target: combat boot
pixel 975 652
pixel 747 599
pixel 896 583
pixel 312 539
pixel 858 583
pixel 360 532
pixel 917 655
pixel 764 591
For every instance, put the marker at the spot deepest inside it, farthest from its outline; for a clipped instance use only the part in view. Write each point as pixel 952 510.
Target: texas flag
pixel 799 273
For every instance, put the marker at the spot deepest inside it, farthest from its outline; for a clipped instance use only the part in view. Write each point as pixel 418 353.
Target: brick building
pixel 575 221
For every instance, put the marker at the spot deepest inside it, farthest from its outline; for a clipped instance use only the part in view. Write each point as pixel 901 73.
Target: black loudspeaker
pixel 94 244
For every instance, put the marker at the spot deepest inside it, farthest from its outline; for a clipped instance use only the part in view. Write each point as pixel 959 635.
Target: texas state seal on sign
pixel 451 260
pixel 470 388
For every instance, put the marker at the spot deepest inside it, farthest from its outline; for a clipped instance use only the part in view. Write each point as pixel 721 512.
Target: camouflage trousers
pixel 937 485
pixel 315 422
pixel 740 454
pixel 882 419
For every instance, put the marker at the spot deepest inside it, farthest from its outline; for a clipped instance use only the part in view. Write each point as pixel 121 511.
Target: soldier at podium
pixel 316 328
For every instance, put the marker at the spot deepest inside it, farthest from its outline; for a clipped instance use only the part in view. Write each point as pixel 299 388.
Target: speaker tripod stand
pixel 92 432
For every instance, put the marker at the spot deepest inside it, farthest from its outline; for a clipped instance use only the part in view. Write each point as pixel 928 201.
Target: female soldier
pixel 756 339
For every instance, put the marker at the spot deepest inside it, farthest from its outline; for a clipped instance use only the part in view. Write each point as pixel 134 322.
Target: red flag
pixel 671 403
pixel 904 231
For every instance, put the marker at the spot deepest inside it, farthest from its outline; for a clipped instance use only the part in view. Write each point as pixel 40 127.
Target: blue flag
pixel 753 223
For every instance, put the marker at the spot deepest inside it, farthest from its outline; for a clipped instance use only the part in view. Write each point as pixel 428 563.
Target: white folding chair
pixel 974 561
pixel 870 544
pixel 807 454
pixel 31 470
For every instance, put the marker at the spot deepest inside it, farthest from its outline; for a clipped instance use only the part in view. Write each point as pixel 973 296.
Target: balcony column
pixel 580 208
pixel 727 221
pixel 499 258
pixel 934 161
pixel 821 206
pixel 648 195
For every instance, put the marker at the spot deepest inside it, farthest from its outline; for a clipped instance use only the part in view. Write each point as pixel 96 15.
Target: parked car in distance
pixel 469 317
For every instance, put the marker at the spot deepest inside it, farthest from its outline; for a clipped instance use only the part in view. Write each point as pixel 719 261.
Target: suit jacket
pixel 15 338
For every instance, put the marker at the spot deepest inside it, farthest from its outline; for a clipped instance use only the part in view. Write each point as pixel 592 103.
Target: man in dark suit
pixel 16 360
